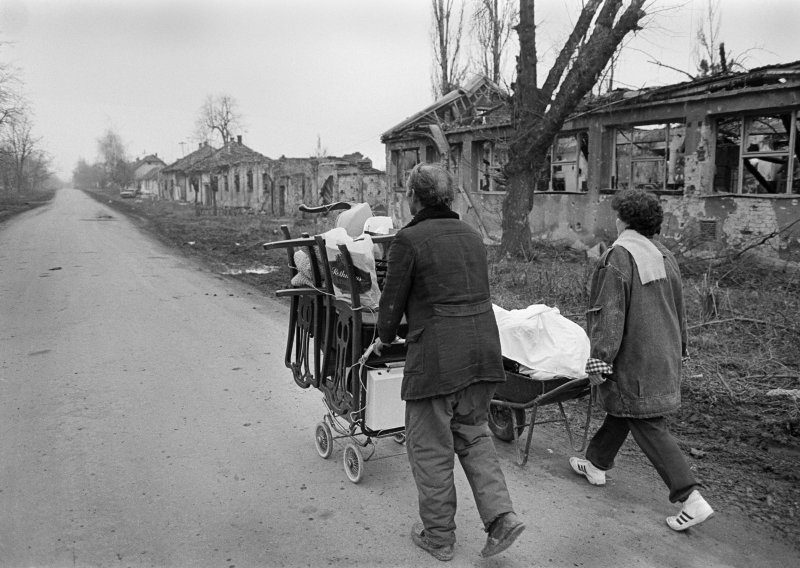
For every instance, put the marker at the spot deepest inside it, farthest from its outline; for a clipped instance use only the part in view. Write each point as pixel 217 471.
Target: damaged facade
pixel 722 153
pixel 178 182
pixel 237 177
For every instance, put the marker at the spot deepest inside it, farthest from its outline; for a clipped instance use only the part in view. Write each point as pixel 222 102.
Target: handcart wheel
pixel 323 440
pixel 500 421
pixel 400 438
pixel 353 463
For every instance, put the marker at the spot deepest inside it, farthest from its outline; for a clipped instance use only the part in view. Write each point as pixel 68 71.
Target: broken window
pixel 249 180
pixel 650 157
pixel 767 160
pixel 227 182
pixel 489 158
pixel 568 163
pixel 236 184
pixel 403 161
pixel 455 162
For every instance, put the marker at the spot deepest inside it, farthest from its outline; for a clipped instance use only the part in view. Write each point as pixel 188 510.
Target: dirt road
pixel 147 419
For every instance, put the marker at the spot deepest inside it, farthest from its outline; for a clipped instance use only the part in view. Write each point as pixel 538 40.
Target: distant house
pixel 143 174
pixel 722 153
pixel 149 185
pixel 322 180
pixel 233 176
pixel 178 181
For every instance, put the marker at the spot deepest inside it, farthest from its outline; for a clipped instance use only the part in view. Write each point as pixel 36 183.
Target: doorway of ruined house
pixel 281 201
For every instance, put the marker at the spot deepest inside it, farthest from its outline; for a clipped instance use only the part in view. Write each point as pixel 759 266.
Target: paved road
pixel 146 419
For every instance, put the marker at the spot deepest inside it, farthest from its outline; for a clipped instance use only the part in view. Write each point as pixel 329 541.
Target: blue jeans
pixel 439 428
pixel 653 437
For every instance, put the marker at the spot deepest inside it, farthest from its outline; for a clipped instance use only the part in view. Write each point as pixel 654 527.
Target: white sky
pixel 344 70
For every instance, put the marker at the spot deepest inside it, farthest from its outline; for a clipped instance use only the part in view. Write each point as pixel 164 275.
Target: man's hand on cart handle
pixel 377 346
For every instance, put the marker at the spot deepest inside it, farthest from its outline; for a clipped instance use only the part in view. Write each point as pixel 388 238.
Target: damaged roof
pixel 185 164
pixel 477 102
pixel 482 104
pixel 233 153
pixel 777 76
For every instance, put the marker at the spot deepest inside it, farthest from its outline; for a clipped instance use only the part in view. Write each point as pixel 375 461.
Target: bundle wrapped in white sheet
pixel 543 342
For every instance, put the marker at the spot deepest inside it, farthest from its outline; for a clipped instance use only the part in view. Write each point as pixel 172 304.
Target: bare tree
pixel 446 34
pixel 320 151
pixel 11 103
pixel 709 49
pixel 492 24
pixel 18 146
pixel 218 116
pixel 113 157
pixel 539 113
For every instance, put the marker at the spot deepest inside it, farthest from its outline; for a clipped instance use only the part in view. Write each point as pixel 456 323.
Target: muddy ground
pixel 740 421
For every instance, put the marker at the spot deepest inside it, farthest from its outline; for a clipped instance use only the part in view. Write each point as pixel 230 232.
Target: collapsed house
pixel 233 176
pixel 324 180
pixel 721 152
pixel 236 177
pixel 178 181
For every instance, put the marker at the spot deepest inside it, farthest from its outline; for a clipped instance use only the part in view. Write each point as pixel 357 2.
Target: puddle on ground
pixel 254 270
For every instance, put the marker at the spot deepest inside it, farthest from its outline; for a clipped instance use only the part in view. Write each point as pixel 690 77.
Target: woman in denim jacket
pixel 637 329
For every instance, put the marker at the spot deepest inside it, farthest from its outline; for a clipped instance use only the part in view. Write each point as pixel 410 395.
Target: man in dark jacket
pixel 438 277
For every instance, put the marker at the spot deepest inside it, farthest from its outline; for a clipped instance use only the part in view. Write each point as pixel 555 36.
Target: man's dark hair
pixel 432 184
pixel 640 209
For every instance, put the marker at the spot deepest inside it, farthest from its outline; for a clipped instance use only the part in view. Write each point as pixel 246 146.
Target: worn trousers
pixel 653 437
pixel 439 428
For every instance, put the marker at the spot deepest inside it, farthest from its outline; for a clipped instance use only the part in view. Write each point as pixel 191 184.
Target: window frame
pixel 746 119
pixel 575 134
pixel 663 161
pixel 498 148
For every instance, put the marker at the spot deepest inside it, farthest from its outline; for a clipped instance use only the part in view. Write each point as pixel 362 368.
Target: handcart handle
pixel 288 292
pixel 327 208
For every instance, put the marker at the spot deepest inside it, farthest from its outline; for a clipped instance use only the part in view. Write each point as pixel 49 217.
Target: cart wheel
pixel 500 421
pixel 353 463
pixel 399 438
pixel 323 440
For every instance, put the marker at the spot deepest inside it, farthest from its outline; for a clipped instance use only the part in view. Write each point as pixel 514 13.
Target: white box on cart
pixel 384 408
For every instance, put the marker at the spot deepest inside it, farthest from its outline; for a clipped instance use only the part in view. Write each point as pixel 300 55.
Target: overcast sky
pixel 343 70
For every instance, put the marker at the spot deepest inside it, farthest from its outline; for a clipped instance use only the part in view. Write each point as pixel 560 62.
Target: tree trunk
pixel 516 226
pixel 540 114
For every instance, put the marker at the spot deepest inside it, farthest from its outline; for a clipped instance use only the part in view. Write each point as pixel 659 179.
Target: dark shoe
pixel 443 552
pixel 502 534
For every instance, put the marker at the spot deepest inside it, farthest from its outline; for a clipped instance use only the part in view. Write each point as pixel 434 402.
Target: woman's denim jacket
pixel 438 276
pixel 639 329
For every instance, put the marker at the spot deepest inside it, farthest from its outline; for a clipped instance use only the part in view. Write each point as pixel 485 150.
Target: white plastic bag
pixel 361 252
pixel 540 339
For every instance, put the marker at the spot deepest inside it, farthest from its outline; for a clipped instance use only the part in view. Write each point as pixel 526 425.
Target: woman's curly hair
pixel 640 209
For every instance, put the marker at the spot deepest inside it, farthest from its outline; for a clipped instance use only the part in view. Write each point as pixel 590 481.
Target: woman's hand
pixel 596 379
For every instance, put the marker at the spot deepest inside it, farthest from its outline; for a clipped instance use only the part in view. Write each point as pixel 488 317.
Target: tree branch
pixel 571 45
pixel 692 77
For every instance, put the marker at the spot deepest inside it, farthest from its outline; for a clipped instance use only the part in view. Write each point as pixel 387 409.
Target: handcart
pixel 329 348
pixel 516 402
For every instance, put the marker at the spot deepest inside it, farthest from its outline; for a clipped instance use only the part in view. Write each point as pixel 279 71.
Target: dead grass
pixel 13 203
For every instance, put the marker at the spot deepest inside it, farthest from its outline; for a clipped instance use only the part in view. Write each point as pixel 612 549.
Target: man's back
pixel 438 276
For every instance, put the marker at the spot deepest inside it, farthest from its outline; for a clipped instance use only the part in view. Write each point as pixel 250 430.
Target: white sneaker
pixel 585 468
pixel 695 510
